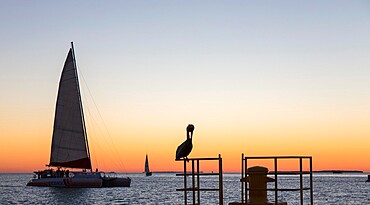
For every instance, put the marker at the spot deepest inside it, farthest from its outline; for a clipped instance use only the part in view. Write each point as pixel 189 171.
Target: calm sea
pixel 339 189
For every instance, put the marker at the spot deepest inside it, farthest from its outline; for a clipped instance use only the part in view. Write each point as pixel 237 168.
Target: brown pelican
pixel 185 148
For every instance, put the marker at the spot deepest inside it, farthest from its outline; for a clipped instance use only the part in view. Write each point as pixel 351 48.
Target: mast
pixel 80 103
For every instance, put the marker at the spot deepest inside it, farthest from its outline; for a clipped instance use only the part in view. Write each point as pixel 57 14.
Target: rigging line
pixel 102 134
pixel 95 125
pixel 114 147
pixel 99 148
pixel 92 128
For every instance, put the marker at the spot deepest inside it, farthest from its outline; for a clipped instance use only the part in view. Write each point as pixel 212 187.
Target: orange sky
pixel 28 149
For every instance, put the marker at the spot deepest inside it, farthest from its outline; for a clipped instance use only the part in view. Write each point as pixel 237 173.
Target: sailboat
pixel 70 148
pixel 146 169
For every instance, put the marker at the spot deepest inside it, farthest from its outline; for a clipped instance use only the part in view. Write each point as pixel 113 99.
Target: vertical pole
pixel 221 192
pixel 198 182
pixel 276 180
pixel 245 176
pixel 311 184
pixel 301 179
pixel 185 188
pixel 193 180
pixel 242 177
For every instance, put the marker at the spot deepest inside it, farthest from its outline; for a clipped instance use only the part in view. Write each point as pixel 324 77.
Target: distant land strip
pixel 339 171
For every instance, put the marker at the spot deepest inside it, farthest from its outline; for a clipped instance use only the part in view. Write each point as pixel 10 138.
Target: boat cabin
pixel 51 173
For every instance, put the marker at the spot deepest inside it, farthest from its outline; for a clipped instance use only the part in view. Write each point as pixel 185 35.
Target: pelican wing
pixel 184 149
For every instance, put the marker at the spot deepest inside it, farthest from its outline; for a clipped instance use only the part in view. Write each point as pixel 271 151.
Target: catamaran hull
pixel 117 182
pixel 80 183
pixel 66 182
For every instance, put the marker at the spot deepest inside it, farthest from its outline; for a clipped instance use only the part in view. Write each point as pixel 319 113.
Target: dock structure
pixel 259 192
pixel 253 180
pixel 195 178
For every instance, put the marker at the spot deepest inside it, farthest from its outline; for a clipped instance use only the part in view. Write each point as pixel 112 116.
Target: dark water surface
pixel 338 189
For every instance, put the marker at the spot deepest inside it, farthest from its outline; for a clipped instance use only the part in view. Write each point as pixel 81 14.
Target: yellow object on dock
pixel 257 180
pixel 268 203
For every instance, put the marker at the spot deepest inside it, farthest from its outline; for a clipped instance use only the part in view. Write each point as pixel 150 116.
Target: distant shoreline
pixel 338 171
pixel 319 171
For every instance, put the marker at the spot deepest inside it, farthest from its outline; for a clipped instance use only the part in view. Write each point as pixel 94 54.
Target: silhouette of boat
pixel 70 148
pixel 146 169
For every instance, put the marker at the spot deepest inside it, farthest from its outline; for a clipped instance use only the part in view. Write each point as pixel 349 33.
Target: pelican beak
pixel 190 129
pixel 191 133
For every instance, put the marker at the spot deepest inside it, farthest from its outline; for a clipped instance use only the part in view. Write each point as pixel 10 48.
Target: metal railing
pixel 276 173
pixel 195 174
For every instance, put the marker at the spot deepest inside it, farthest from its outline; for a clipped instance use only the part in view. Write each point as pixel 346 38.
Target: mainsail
pixel 69 145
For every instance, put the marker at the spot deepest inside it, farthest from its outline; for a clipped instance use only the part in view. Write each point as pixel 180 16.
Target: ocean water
pixel 338 189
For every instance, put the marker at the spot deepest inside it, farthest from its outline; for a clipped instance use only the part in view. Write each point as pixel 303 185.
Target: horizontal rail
pixel 278 173
pixel 291 189
pixel 279 157
pixel 200 159
pixel 201 174
pixel 196 189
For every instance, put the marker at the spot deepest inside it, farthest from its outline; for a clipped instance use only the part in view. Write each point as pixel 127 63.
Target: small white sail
pixel 69 145
pixel 146 164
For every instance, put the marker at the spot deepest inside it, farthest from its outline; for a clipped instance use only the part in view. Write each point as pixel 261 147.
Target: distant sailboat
pixel 147 170
pixel 70 148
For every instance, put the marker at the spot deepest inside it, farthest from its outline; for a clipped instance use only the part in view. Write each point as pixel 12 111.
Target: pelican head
pixel 189 131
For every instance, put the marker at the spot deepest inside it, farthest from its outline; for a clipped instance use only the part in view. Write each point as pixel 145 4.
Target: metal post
pixel 276 180
pixel 193 180
pixel 242 177
pixel 301 179
pixel 221 192
pixel 245 175
pixel 311 184
pixel 185 191
pixel 198 182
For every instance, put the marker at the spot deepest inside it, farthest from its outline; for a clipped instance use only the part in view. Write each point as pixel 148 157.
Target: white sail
pixel 69 145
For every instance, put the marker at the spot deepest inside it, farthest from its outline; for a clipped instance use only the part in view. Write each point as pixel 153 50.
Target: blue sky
pixel 169 43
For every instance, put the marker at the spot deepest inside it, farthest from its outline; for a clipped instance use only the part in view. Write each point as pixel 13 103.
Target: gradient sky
pixel 254 77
